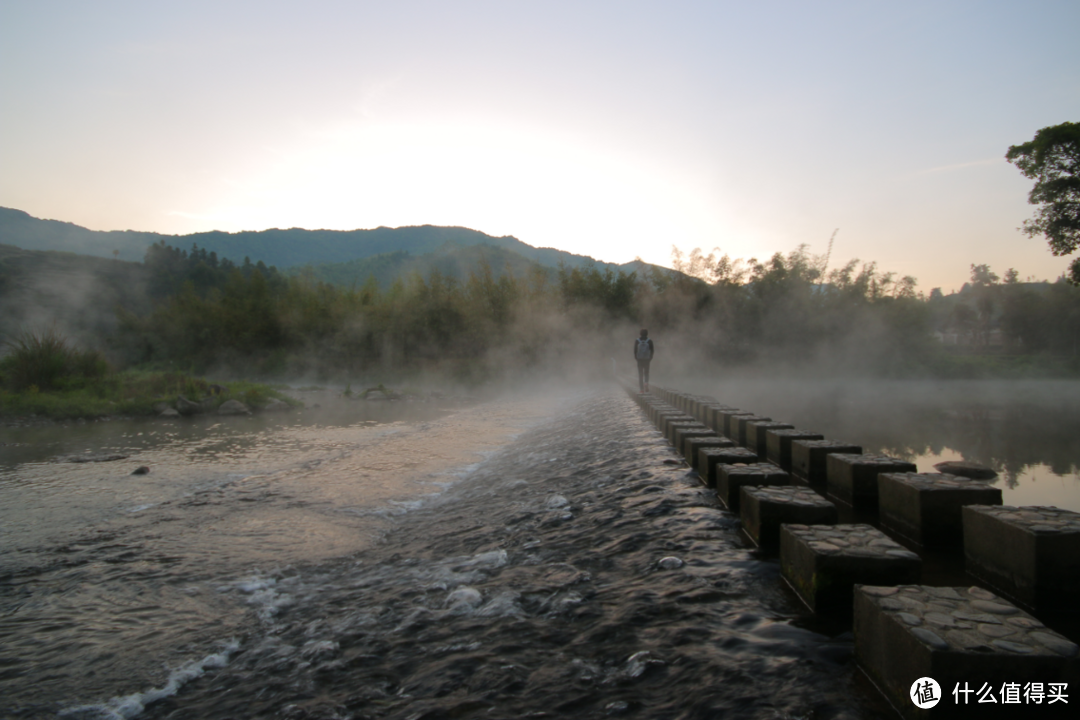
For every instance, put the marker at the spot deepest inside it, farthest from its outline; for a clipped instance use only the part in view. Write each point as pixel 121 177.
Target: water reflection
pixel 1025 430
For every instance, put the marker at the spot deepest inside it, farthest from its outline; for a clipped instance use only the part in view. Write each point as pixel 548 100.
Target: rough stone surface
pixel 764 509
pixel 756 431
pixel 824 562
pixel 711 457
pixel 692 445
pixel 925 508
pixel 778 445
pixel 1030 554
pixel 963 638
pixel 853 477
pixel 730 479
pixel 808 458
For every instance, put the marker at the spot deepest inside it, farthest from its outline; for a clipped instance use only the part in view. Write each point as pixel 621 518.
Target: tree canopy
pixel 1052 160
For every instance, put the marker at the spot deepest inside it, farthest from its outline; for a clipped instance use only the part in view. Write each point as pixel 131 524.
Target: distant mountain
pixel 282 248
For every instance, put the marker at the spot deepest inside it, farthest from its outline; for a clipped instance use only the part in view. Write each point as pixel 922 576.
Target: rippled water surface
pixel 436 568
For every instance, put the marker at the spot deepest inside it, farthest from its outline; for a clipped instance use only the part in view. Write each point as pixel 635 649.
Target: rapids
pixel 576 570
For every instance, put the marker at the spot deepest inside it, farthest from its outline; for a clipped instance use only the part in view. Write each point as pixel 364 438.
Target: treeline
pixel 792 309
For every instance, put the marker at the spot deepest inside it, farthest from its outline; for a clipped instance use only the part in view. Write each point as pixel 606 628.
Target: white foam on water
pixel 269 595
pixel 129 706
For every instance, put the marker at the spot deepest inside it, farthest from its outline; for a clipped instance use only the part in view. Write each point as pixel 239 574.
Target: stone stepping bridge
pixel 808 457
pixel 823 563
pixel 1030 554
pixel 764 509
pixel 730 480
pixel 924 508
pixel 692 445
pixel 853 477
pixel 710 458
pixel 963 638
pixel 778 445
pixel 756 434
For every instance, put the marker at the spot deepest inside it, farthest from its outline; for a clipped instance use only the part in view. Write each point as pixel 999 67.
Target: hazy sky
pixel 612 129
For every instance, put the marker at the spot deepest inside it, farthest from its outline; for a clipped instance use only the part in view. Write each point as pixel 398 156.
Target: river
pixel 540 555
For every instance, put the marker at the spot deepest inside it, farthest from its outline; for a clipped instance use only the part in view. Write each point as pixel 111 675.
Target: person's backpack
pixel 642 352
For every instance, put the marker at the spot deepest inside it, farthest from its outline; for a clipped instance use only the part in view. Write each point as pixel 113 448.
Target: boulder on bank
pixel 160 407
pixel 168 412
pixel 275 405
pixel 233 407
pixel 187 407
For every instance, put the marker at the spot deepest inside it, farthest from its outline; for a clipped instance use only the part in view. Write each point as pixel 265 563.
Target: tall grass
pixel 45 361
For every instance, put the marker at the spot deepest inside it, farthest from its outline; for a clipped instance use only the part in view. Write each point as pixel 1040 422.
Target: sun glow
pixel 542 188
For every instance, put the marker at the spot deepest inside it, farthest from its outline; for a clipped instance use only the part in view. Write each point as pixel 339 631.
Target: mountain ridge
pixel 283 248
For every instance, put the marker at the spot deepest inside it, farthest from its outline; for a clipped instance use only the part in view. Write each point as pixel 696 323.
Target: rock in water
pixel 169 413
pixel 233 407
pixel 963 468
pixel 141 470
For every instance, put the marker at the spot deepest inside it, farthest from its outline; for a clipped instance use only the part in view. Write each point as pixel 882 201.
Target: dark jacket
pixel 651 349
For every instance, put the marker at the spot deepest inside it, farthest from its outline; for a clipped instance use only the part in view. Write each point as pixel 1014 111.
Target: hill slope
pixel 281 248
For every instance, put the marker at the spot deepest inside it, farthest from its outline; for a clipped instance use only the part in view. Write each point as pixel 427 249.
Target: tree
pixel 1052 160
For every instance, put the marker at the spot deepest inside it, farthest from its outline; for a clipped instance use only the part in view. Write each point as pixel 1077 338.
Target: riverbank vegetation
pixel 42 375
pixel 712 313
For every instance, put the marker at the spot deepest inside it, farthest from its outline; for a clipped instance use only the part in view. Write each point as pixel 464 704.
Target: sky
pixel 610 129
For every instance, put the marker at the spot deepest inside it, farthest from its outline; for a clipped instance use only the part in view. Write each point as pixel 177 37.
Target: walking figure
pixel 643 353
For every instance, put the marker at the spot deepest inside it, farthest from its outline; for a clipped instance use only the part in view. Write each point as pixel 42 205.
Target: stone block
pixel 742 421
pixel 971 642
pixel 764 509
pixel 672 427
pixel 730 479
pixel 756 434
pixel 808 457
pixel 778 445
pixel 853 478
pixel 683 434
pixel 725 418
pixel 710 458
pixel 692 445
pixel 712 417
pixel 665 421
pixel 925 507
pixel 1029 554
pixel 823 563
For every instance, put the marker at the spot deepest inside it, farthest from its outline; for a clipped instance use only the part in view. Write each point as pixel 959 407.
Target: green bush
pixel 46 361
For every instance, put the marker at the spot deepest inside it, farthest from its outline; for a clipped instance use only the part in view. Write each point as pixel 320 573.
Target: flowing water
pixel 536 556
pixel 531 557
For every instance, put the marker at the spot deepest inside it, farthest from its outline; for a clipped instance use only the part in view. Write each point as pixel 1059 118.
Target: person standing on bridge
pixel 643 353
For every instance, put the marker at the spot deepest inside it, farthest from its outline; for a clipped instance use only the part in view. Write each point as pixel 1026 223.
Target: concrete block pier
pixel 1029 554
pixel 692 445
pixel 808 458
pixel 764 509
pixel 711 457
pixel 823 563
pixel 756 434
pixel 853 478
pixel 778 445
pixel 924 508
pixel 738 427
pixel 968 640
pixel 730 479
